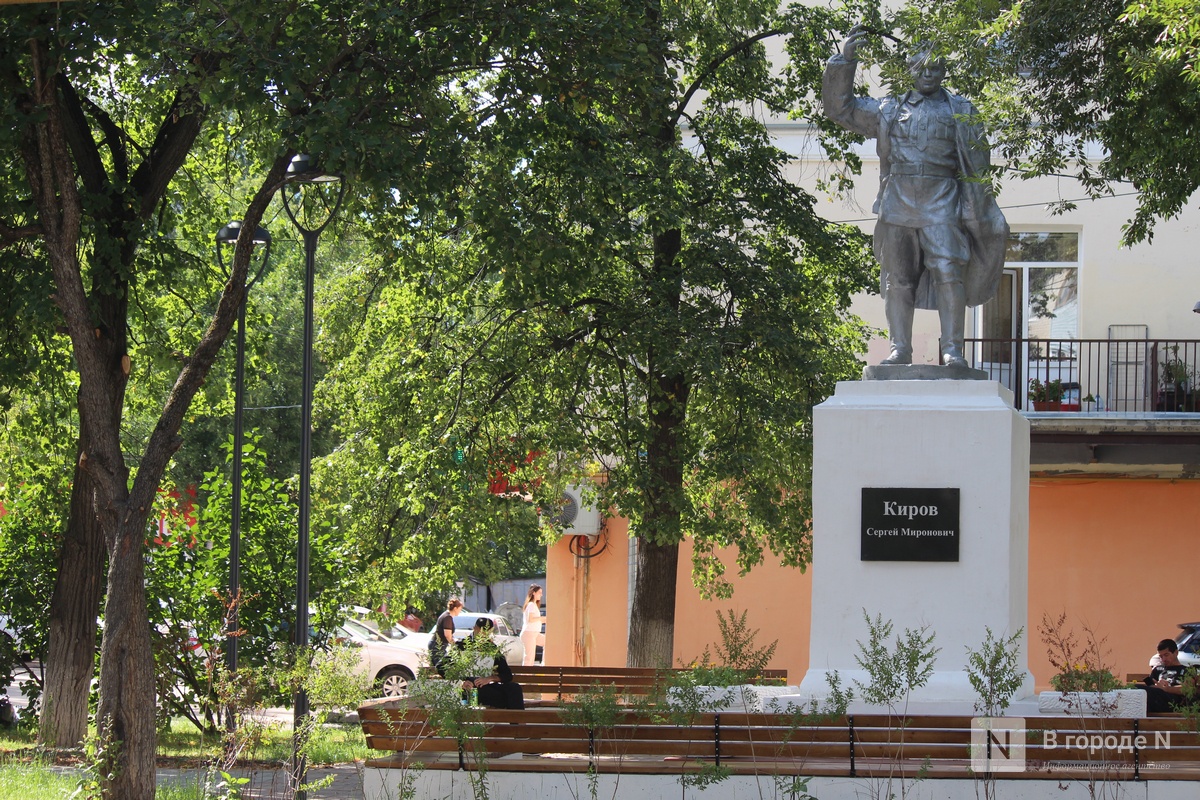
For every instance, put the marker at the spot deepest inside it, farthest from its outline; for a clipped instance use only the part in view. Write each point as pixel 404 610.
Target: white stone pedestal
pixel 920 434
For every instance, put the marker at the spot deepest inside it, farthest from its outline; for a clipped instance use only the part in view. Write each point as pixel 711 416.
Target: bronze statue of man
pixel 940 238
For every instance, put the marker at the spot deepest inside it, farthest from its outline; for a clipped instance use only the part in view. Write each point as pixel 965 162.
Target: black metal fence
pixel 1096 375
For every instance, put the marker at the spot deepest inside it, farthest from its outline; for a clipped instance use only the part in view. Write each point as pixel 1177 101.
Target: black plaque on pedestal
pixel 910 525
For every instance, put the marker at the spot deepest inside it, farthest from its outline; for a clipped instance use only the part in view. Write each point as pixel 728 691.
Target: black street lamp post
pixel 303 171
pixel 228 235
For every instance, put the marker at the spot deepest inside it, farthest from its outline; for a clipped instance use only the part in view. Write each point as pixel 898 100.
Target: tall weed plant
pixel 1080 661
pixel 995 673
pixel 896 666
pixel 894 670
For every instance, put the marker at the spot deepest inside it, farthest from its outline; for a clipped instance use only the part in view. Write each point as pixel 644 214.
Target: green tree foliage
pixel 645 289
pixel 1123 75
pixel 107 105
pixel 187 574
pixel 627 283
pixel 184 577
pixel 268 557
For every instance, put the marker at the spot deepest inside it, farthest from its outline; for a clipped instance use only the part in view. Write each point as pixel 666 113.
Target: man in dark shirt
pixel 496 687
pixel 443 636
pixel 1168 682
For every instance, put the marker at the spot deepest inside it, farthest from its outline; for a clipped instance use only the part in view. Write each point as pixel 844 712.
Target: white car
pixel 1188 642
pixel 391 663
pixel 510 643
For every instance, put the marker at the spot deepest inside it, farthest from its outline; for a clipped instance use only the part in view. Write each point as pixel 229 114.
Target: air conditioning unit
pixel 576 518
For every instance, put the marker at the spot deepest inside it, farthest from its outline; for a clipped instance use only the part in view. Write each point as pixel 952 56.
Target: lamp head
pixel 229 233
pixel 303 169
pixel 1196 308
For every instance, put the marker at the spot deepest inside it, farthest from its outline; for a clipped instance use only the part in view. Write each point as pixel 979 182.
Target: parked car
pixel 396 632
pixel 362 629
pixel 509 641
pixel 391 663
pixel 1188 642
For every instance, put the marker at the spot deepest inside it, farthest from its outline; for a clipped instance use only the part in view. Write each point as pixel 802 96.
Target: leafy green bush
pixel 894 672
pixel 1081 679
pixel 1080 662
pixel 736 659
pixel 994 672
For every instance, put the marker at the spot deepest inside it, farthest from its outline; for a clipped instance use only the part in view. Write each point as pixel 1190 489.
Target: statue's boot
pixel 952 313
pixel 898 306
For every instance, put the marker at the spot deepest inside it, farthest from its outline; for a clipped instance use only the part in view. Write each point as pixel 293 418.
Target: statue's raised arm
pixel 857 114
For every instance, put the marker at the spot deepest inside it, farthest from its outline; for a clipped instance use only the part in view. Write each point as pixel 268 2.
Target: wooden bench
pixel 563 683
pixel 867 746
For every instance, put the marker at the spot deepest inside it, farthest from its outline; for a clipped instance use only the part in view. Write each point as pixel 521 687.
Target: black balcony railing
pixel 1121 376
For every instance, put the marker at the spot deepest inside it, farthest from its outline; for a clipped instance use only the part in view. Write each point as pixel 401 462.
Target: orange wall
pixel 777 601
pixel 587 625
pixel 1117 555
pixel 1114 554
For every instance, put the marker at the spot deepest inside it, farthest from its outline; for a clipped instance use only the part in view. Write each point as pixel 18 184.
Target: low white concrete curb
pixel 1129 703
pixel 386 785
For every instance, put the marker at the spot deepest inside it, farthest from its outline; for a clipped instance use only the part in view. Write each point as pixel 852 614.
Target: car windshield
pixel 398 632
pixel 360 631
pixel 394 633
pixel 465 622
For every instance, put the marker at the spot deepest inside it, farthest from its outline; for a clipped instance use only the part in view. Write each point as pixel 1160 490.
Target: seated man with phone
pixel 1168 684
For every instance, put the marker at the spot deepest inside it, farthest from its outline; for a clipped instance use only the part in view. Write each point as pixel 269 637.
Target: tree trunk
pixel 125 718
pixel 71 651
pixel 652 620
pixel 56 141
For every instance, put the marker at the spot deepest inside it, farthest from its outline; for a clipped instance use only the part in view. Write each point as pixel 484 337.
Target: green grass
pixel 24 775
pixel 16 739
pixel 35 782
pixel 183 740
pixel 40 782
pixel 340 745
pixel 332 744
pixel 173 792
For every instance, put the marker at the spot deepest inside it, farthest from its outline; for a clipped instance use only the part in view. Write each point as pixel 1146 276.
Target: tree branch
pixel 10 235
pixel 172 143
pixel 114 138
pixel 164 440
pixel 714 65
pixel 79 137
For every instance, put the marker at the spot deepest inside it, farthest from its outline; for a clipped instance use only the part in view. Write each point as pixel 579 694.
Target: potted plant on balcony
pixel 1046 396
pixel 1176 383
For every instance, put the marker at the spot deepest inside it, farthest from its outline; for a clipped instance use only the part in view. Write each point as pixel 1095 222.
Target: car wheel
pixel 393 681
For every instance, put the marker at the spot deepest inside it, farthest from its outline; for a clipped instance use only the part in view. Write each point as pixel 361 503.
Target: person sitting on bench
pixel 496 689
pixel 1167 683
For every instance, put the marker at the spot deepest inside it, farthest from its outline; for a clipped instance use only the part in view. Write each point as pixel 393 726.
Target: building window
pixel 1031 327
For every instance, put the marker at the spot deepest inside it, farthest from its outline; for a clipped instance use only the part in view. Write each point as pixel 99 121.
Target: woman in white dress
pixel 531 627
